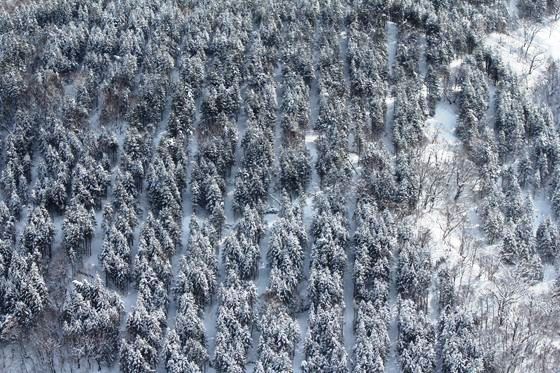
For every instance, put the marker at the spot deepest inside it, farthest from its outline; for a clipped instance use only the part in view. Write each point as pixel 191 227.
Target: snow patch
pixel 547 284
pixel 456 63
pixel 543 208
pixel 392 36
pixel 528 61
pixel 441 127
pixel 388 130
pixel 311 137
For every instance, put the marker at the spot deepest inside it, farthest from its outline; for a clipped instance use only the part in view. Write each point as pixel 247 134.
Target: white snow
pixel 58 223
pixel 490 116
pixel 440 132
pixel 314 96
pixel 423 63
pixel 349 298
pixel 512 8
pixel 392 36
pixel 210 317
pixel 96 114
pixel 392 39
pixel 91 263
pixel 353 158
pixel 389 115
pixel 543 208
pixel 456 63
pixel 277 126
pixel 269 218
pixel 546 44
pixel 442 126
pixel 392 364
pixel 443 144
pixel 70 90
pixel 302 313
pixel 129 301
pixel 311 137
pixel 313 188
pixel 211 314
pixel 546 285
pixel 467 264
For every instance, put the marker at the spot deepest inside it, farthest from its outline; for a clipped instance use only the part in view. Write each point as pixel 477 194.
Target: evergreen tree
pixel 91 319
pixel 547 240
pixel 460 350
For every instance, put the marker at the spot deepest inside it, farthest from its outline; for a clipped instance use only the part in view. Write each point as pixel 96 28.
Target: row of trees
pixel 121 107
pixel 374 242
pixel 195 288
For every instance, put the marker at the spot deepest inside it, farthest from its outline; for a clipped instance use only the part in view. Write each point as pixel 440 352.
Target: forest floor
pixel 527 48
pixel 392 364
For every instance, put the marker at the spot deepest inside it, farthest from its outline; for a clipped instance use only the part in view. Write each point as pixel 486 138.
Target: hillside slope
pixel 313 186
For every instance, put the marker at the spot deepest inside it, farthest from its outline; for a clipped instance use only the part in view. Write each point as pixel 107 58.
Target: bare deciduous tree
pixel 536 60
pixel 530 31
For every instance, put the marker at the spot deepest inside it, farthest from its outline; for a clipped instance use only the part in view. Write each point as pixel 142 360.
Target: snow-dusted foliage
pixel 309 186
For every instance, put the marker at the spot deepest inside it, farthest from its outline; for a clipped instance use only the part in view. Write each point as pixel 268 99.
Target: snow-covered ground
pixel 527 50
pixel 353 158
pixel 528 58
pixel 528 61
pixel 442 143
pixel 392 31
pixel 440 129
pixel 392 364
pixel 314 186
pixel 447 236
pixel 392 37
pixel 211 313
pixel 512 8
pixel 465 248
